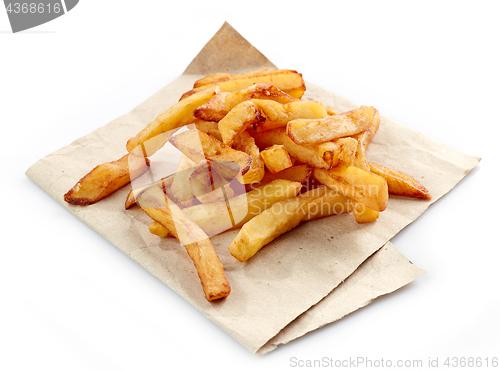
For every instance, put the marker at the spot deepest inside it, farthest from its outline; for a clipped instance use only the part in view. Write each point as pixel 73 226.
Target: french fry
pixel 364 138
pixel 271 223
pixel 208 127
pixel 207 185
pixel 323 156
pixel 256 112
pixel 197 244
pixel 357 184
pixel 331 203
pixel 363 214
pixel 276 158
pixel 399 183
pixel 222 103
pixel 219 77
pixel 160 230
pixel 199 146
pixel 105 179
pixel 183 195
pixel 288 81
pixel 313 131
pixel 176 116
pixel 298 173
pixel 245 143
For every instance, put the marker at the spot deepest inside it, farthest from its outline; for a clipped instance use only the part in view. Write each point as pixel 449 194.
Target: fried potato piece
pixel 219 77
pixel 176 116
pixel 276 158
pixel 399 183
pixel 271 223
pixel 222 103
pixel 348 148
pixel 363 214
pixel 288 81
pixel 331 111
pixel 159 230
pixel 181 194
pixel 105 179
pixel 323 156
pixel 207 185
pixel 313 131
pixel 218 217
pixel 164 184
pixel 208 127
pixel 197 244
pixel 199 146
pixel 331 203
pixel 256 112
pixel 359 185
pixel 245 143
pixel 364 138
pixel 298 173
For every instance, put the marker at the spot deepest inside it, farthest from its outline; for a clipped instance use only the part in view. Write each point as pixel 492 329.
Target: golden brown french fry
pixel 183 195
pixel 197 244
pixel 219 77
pixel 164 184
pixel 357 184
pixel 313 131
pixel 159 230
pixel 331 111
pixel 298 173
pixel 256 112
pixel 245 143
pixel 222 103
pixel 218 217
pixel 331 203
pixel 207 185
pixel 276 158
pixel 363 214
pixel 399 183
pixel 176 116
pixel 208 127
pixel 364 138
pixel 271 223
pixel 348 147
pixel 323 156
pixel 199 146
pixel 291 82
pixel 105 179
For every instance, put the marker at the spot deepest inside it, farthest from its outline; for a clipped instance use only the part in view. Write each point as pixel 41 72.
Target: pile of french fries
pixel 255 157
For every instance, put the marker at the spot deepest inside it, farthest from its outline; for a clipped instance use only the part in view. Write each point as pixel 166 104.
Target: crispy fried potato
pixel 209 127
pixel 271 223
pixel 222 103
pixel 176 116
pixel 399 183
pixel 323 156
pixel 331 203
pixel 160 230
pixel 245 143
pixel 179 193
pixel 214 218
pixel 364 138
pixel 276 158
pixel 219 77
pixel 331 111
pixel 105 179
pixel 363 214
pixel 348 147
pixel 298 173
pixel 313 131
pixel 207 185
pixel 357 184
pixel 288 81
pixel 164 184
pixel 197 244
pixel 257 112
pixel 199 146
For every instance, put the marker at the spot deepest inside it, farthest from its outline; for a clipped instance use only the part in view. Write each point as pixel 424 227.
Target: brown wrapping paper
pixel 296 271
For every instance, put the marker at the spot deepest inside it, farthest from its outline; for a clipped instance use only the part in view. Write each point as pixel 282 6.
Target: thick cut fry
pixel 245 143
pixel 331 203
pixel 209 127
pixel 298 173
pixel 399 183
pixel 323 156
pixel 219 77
pixel 207 185
pixel 359 185
pixel 271 223
pixel 363 214
pixel 348 147
pixel 105 179
pixel 197 244
pixel 179 192
pixel 222 103
pixel 312 131
pixel 176 116
pixel 364 138
pixel 257 112
pixel 214 218
pixel 276 158
pixel 291 82
pixel 199 146
pixel 160 230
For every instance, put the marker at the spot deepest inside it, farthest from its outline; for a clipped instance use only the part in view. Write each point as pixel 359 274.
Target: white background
pixel 69 300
